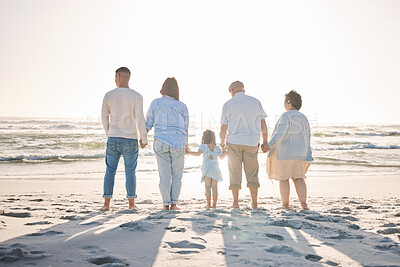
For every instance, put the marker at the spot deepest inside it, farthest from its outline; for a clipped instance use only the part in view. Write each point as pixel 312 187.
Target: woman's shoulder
pixel 156 101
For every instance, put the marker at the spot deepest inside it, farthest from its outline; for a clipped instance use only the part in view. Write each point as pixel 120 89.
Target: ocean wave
pixel 359 146
pixel 362 163
pixel 334 134
pixel 62 127
pixel 342 143
pixel 391 133
pixel 49 158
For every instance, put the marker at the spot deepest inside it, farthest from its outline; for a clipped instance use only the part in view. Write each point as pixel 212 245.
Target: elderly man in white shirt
pixel 122 117
pixel 243 119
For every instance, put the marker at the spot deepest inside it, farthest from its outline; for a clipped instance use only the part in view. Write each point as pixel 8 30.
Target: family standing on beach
pixel 242 121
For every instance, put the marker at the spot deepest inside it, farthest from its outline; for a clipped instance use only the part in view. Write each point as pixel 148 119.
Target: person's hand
pixel 264 147
pixel 187 149
pixel 223 147
pixel 141 144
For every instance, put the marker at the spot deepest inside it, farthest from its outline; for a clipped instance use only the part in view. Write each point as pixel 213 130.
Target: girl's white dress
pixel 210 167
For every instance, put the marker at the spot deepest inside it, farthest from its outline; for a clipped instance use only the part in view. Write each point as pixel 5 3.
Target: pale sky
pixel 58 58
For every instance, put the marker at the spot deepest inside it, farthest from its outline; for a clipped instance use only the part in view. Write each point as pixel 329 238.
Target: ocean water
pixel 76 147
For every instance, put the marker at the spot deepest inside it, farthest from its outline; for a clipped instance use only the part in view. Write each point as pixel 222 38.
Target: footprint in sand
pixel 176 229
pixel 37 200
pixel 274 236
pixel 185 252
pixel 16 214
pixel 312 257
pixel 185 244
pixel 389 231
pixel 109 260
pixel 295 224
pixel 135 226
pixel 70 217
pixel 46 233
pixel 39 223
pixel 15 254
pixel 282 249
pixel 331 263
pixel 353 226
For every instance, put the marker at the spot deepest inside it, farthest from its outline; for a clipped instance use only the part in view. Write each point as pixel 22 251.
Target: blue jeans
pixel 170 168
pixel 129 149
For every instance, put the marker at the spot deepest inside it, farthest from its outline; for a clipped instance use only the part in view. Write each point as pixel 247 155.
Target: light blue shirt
pixel 170 118
pixel 291 137
pixel 243 115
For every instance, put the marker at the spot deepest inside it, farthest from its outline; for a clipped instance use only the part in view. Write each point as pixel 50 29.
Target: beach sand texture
pixel 45 222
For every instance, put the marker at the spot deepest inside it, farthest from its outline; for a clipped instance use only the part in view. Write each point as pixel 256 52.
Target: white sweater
pixel 122 114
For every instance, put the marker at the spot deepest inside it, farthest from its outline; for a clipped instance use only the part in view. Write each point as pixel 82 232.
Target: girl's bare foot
pixel 208 206
pixel 214 206
pixel 235 205
pixel 166 207
pixel 105 208
pixel 174 207
pixel 305 207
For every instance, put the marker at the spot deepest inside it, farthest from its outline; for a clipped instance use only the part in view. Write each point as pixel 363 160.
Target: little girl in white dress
pixel 211 173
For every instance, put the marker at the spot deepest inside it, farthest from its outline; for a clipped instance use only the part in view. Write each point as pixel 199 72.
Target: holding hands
pixel 141 144
pixel 264 147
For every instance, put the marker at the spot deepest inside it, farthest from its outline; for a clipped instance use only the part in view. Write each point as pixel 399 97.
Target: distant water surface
pixel 40 147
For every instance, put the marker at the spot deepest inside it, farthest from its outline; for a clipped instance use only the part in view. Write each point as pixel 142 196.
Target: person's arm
pixel 281 131
pixel 195 153
pixel 150 117
pixel 186 126
pixel 140 122
pixel 223 154
pixel 187 149
pixel 105 116
pixel 224 127
pixel 264 132
pixel 222 135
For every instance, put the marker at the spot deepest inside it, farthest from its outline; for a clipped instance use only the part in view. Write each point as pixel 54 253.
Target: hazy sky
pixel 57 58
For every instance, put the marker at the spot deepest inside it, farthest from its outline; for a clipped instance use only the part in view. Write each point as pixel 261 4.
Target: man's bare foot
pixel 174 207
pixel 254 206
pixel 166 207
pixel 105 208
pixel 134 207
pixel 235 206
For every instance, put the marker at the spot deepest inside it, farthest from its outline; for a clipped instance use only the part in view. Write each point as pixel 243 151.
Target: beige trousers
pixel 247 156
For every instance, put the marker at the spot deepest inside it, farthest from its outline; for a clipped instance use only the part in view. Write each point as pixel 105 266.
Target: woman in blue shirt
pixel 170 119
pixel 290 154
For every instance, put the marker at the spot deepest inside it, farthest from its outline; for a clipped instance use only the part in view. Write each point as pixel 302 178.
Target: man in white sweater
pixel 122 117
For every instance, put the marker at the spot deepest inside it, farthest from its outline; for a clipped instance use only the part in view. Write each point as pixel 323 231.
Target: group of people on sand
pixel 242 122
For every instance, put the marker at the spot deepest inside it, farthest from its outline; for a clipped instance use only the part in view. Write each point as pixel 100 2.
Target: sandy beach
pixel 55 221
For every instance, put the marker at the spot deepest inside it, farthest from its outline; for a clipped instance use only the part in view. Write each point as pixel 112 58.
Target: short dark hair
pixel 294 98
pixel 170 88
pixel 208 137
pixel 124 70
